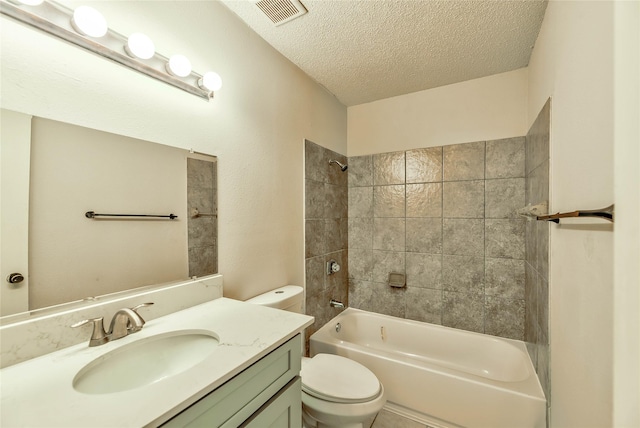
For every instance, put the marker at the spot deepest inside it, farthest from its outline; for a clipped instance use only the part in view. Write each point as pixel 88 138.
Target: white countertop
pixel 39 392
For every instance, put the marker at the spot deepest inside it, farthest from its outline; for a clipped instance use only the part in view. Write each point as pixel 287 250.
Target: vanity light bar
pixel 58 20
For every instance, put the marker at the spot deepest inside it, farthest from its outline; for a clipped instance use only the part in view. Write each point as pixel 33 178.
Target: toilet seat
pixel 338 379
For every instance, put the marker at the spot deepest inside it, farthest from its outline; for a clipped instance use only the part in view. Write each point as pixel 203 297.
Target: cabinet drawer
pixel 237 399
pixel 284 410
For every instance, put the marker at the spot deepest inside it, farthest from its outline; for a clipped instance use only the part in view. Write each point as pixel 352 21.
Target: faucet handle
pixel 98 335
pixel 141 305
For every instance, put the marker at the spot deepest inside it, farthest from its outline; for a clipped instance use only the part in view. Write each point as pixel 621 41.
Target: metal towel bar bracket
pixel 604 213
pixel 195 214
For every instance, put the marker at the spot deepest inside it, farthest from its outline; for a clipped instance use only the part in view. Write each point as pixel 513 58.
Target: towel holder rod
pixel 603 213
pixel 92 214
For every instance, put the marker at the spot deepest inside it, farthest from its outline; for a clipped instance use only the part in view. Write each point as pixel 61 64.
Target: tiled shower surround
pixel 325 233
pixel 447 218
pixel 537 249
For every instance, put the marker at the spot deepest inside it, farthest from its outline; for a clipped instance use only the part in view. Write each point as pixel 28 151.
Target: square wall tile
pixel 361 233
pixel 361 264
pixel 504 197
pixel 389 234
pixel 202 231
pixel 463 274
pixel 388 168
pixel 315 162
pixel 463 199
pixel 463 310
pixel 537 184
pixel 336 203
pixel 504 318
pixel 505 238
pixel 424 270
pixel 505 158
pixel 335 174
pixel 200 173
pixel 314 237
pixel 314 277
pixel 505 278
pixel 360 202
pixel 360 172
pixel 385 262
pixel 361 294
pixel 537 140
pixel 314 199
pixel 424 235
pixel 201 198
pixel 463 237
pixel 424 200
pixel 202 261
pixel 531 305
pixel 423 304
pixel 542 248
pixel 337 283
pixel 388 300
pixel 389 201
pixel 336 234
pixel 464 161
pixel 424 165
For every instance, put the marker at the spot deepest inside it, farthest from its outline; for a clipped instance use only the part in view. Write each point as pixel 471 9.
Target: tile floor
pixel 387 419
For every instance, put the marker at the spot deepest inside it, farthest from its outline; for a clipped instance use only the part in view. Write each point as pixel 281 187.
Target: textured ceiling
pixel 366 50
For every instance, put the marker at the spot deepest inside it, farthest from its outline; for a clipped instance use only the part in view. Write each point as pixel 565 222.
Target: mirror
pixel 74 170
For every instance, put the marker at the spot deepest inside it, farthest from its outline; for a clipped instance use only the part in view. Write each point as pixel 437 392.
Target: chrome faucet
pixel 336 304
pixel 124 322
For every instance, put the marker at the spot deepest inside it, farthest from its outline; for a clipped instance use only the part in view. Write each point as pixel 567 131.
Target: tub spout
pixel 336 304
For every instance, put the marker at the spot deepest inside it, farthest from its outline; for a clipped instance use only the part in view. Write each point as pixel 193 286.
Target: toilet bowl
pixel 336 391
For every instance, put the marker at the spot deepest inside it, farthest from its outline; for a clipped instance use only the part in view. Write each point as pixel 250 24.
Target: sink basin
pixel 145 361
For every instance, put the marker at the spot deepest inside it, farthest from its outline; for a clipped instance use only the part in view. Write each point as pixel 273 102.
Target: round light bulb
pixel 140 46
pixel 89 22
pixel 27 2
pixel 179 65
pixel 211 81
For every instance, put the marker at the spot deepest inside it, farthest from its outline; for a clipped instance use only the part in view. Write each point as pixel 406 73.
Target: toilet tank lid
pixel 281 298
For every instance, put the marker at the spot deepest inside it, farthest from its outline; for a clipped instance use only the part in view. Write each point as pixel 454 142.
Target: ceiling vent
pixel 281 11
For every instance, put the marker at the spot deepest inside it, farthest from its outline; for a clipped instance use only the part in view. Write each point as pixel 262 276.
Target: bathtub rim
pixel 529 387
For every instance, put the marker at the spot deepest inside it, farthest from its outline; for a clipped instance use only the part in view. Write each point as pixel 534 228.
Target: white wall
pixel 626 364
pixel 488 108
pixel 572 63
pixel 255 125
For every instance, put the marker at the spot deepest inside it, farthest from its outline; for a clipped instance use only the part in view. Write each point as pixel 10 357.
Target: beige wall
pixel 488 108
pixel 572 63
pixel 255 125
pixel 626 381
pixel 76 169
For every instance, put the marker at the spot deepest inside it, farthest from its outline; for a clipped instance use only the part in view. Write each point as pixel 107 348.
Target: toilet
pixel 336 391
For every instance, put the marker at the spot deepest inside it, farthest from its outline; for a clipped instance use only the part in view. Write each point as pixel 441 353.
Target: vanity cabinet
pixel 266 394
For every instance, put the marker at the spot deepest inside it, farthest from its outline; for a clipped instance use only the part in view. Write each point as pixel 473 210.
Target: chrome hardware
pixel 195 214
pixel 338 327
pixel 15 278
pixel 98 336
pixel 332 267
pixel 336 304
pixel 124 322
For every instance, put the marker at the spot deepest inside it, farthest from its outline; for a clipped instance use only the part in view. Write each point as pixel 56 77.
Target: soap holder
pixel 397 280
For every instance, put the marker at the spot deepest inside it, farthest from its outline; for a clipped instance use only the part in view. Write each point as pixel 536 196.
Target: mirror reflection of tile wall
pixel 201 195
pixel 446 217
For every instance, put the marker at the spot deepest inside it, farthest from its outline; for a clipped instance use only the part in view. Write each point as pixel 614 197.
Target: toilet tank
pixel 288 298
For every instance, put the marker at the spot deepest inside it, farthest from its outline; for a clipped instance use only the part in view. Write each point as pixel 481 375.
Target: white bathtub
pixel 438 375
